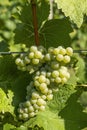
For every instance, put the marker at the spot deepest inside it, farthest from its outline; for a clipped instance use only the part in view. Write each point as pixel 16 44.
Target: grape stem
pixel 35 23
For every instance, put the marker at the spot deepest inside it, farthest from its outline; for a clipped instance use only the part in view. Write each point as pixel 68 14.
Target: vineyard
pixel 43 65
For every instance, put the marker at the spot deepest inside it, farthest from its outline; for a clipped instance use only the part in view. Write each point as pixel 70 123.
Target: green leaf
pixel 74 9
pixel 47 120
pixel 6 2
pixel 80 69
pixel 6 101
pixel 72 113
pixel 24 32
pixel 56 32
pixel 61 97
pixel 8 127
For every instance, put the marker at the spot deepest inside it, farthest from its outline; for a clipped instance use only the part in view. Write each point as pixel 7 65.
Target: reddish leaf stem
pixel 35 24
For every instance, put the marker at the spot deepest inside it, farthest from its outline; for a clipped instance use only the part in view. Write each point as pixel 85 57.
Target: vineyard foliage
pixel 68 108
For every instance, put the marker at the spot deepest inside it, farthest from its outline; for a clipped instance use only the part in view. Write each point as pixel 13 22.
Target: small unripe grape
pixel 43 97
pixel 23 68
pixel 47 57
pixel 27 104
pixel 31 109
pixel 62 73
pixel 41 48
pixel 41 102
pixel 25 110
pixel 25 116
pixel 42 79
pixel 63 68
pixel 62 51
pixel 48 74
pixel 20 110
pixel 56 51
pixel 20 116
pixel 54 65
pixel 43 86
pixel 35 61
pixel 38 55
pixel 26 60
pixel 69 51
pixel 42 108
pixel 49 97
pixel 32 114
pixel 18 61
pixel 36 83
pixel 66 59
pixel 64 80
pixel 33 48
pixel 33 101
pixel 38 73
pixel 58 80
pixel 50 49
pixel 35 95
pixel 36 106
pixel 59 57
pixel 55 74
pixel 43 73
pixel 47 81
pixel 49 91
pixel 45 91
pixel 67 75
pixel 31 55
pixel 52 79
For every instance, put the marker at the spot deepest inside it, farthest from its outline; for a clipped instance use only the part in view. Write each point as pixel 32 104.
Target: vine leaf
pixel 6 101
pixel 74 9
pixel 56 32
pixel 46 120
pixel 51 32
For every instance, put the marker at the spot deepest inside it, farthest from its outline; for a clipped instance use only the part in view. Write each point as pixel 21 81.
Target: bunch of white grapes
pixel 32 60
pixel 50 70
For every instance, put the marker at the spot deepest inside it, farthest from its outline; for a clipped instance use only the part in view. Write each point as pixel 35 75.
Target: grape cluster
pixel 50 70
pixel 32 60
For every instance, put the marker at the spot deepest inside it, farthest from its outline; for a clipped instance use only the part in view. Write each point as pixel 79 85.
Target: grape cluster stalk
pixel 49 68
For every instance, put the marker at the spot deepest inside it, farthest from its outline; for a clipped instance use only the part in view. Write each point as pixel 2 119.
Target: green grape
pixel 25 110
pixel 38 55
pixel 43 97
pixel 62 51
pixel 64 80
pixel 35 95
pixel 42 108
pixel 66 59
pixel 43 86
pixel 54 65
pixel 59 57
pixel 58 80
pixel 25 116
pixel 55 74
pixel 42 79
pixel 20 110
pixel 31 108
pixel 69 51
pixel 36 106
pixel 49 97
pixel 31 55
pixel 32 114
pixel 35 61
pixel 56 51
pixel 33 49
pixel 48 57
pixel 33 101
pixel 27 104
pixel 41 102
